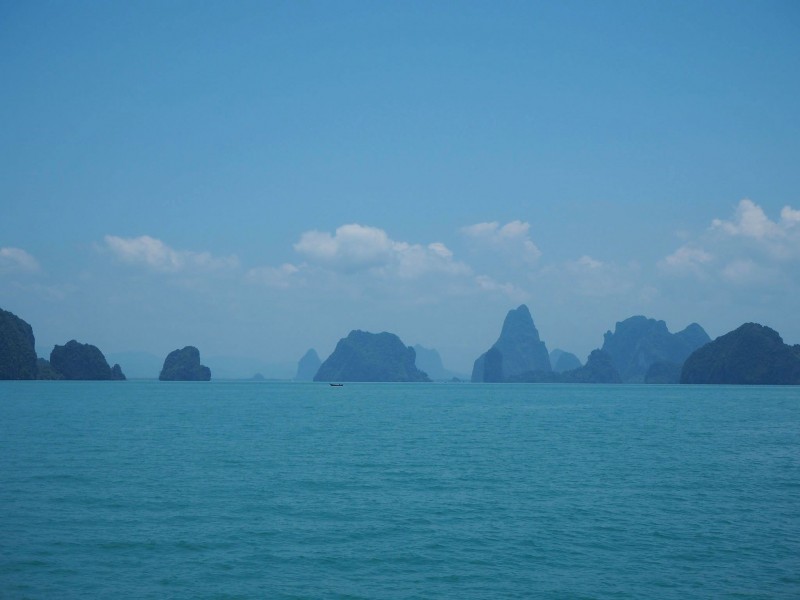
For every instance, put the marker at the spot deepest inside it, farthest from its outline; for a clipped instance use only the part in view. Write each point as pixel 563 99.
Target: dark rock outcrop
pixel 184 365
pixel 308 366
pixel 17 348
pixel 364 356
pixel 516 352
pixel 751 354
pixel 639 342
pixel 564 361
pixel 45 371
pixel 79 361
pixel 117 374
pixel 599 368
pixel 138 365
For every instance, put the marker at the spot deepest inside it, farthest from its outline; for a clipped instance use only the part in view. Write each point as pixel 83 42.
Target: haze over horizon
pixel 258 179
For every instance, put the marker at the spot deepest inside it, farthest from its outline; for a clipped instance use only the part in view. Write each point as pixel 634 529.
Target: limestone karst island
pixel 638 350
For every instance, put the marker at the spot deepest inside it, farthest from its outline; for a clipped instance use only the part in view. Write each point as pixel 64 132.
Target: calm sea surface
pixel 271 490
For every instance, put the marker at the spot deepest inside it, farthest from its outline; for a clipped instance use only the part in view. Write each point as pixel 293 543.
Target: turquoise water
pixel 265 490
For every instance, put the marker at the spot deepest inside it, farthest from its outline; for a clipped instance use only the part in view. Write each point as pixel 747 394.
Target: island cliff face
pixel 599 368
pixel 308 366
pixel 638 342
pixel 517 352
pixel 84 362
pixel 17 348
pixel 663 372
pixel 184 365
pixel 562 361
pixel 364 356
pixel 45 370
pixel 751 354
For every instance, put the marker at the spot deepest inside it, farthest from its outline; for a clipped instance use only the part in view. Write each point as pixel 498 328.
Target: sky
pixel 260 178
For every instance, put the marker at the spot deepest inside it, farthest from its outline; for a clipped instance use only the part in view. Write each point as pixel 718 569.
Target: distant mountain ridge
pixel 639 349
pixel 639 342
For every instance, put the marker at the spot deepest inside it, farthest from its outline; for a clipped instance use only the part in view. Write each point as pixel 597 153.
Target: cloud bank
pixel 747 249
pixel 16 260
pixel 153 254
pixel 512 238
pixel 353 248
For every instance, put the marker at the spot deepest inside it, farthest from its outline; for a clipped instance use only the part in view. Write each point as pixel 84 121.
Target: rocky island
pixel 308 366
pixel 429 360
pixel 516 354
pixel 562 361
pixel 83 362
pixel 364 356
pixel 638 342
pixel 599 368
pixel 17 348
pixel 184 365
pixel 751 354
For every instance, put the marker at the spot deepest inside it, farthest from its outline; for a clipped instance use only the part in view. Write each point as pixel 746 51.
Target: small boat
pixel 336 384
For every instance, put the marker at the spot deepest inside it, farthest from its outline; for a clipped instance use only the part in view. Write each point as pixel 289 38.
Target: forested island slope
pixel 365 356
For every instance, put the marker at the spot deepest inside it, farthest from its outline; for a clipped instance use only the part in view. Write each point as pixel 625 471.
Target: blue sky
pixel 259 178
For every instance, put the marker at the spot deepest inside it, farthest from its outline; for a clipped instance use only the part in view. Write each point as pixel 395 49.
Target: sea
pixel 224 490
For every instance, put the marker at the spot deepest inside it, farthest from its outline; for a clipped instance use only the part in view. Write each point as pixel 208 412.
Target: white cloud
pixel 414 260
pixel 687 259
pixel 747 271
pixel 591 277
pixel 588 263
pixel 14 260
pixel 487 284
pixel 749 221
pixel 779 238
pixel 512 237
pixel 749 248
pixel 278 277
pixel 155 254
pixel 353 247
pixel 789 217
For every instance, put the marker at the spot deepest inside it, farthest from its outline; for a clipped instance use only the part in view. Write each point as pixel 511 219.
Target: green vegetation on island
pixel 364 356
pixel 83 362
pixel 45 371
pixel 751 354
pixel 17 348
pixel 184 365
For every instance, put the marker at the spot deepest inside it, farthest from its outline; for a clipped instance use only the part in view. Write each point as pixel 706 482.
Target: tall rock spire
pixel 518 350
